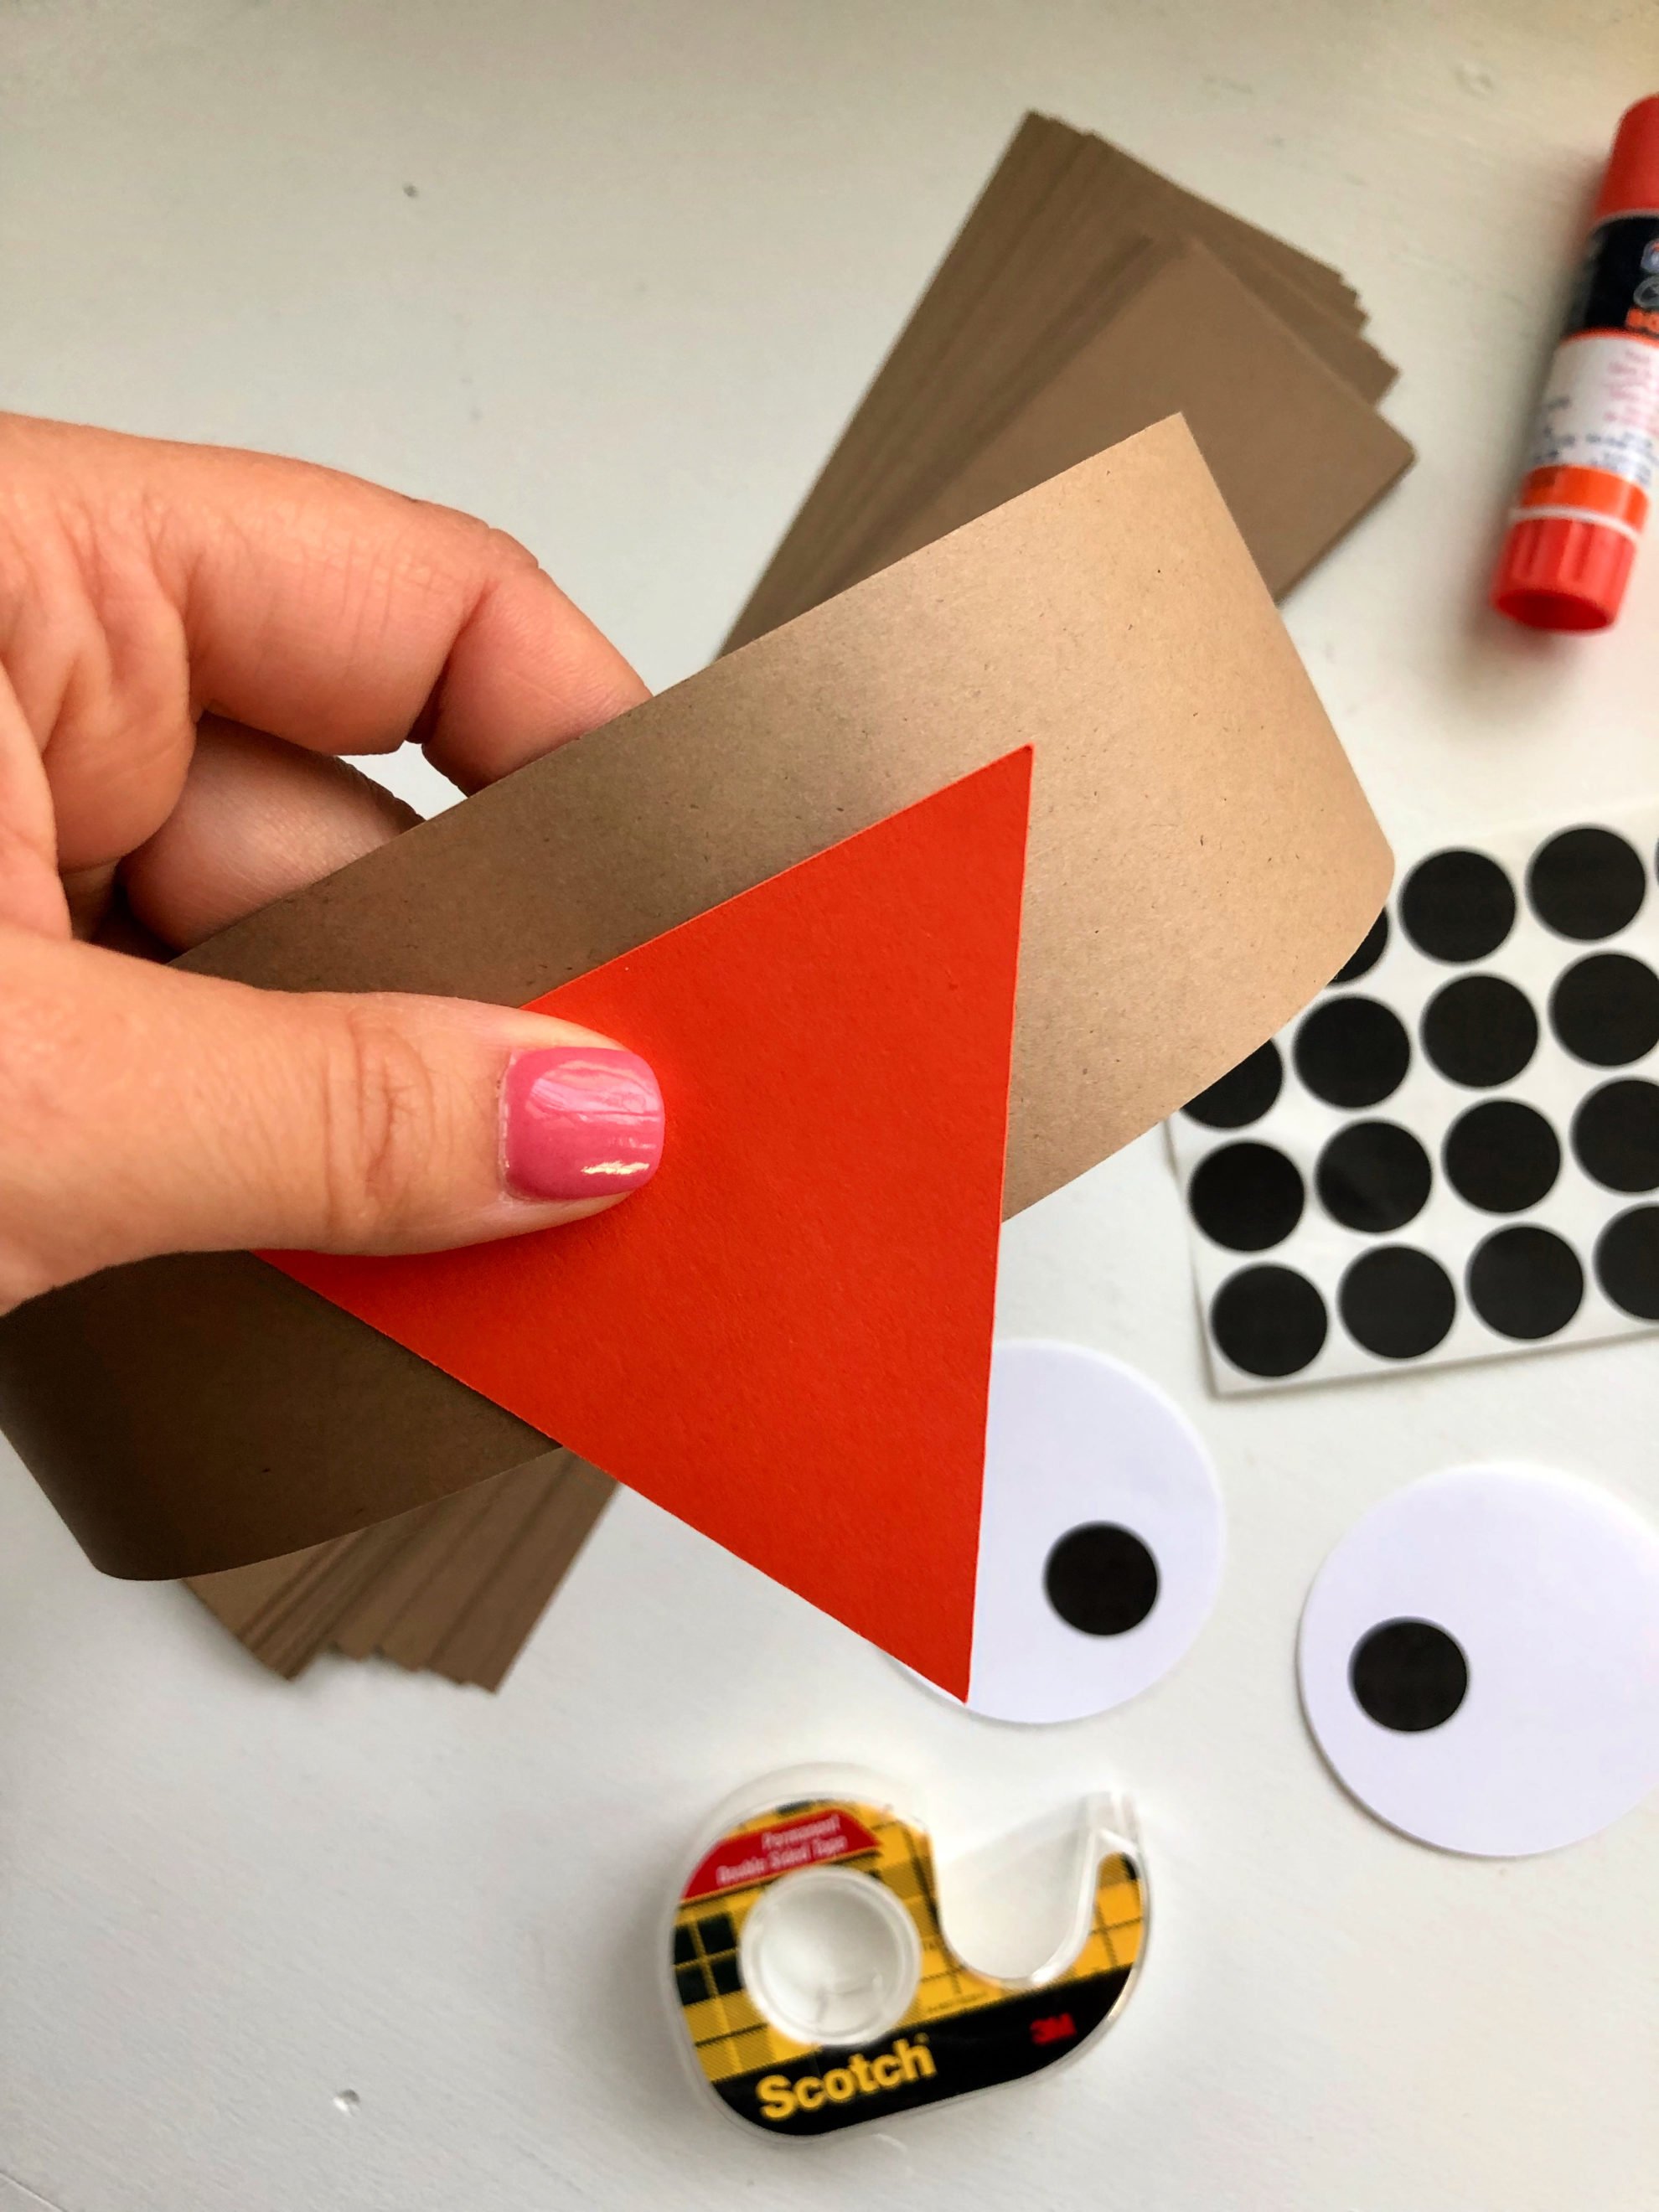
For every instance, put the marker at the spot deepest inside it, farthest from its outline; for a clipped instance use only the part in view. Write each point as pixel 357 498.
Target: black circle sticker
pixel 1100 1579
pixel 1586 884
pixel 1353 1052
pixel 1526 1282
pixel 1244 1094
pixel 1627 1262
pixel 1373 1177
pixel 1246 1196
pixel 1479 1030
pixel 1615 1133
pixel 1604 1009
pixel 1408 1675
pixel 1501 1155
pixel 1397 1301
pixel 1457 905
pixel 1269 1321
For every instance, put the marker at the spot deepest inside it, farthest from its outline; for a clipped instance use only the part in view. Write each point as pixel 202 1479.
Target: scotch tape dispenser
pixel 812 1981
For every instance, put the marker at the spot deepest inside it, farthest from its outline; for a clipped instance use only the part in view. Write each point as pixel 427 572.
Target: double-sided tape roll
pixel 816 1989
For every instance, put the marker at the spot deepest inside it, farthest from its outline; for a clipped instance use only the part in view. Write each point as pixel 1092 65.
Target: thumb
pixel 143 1111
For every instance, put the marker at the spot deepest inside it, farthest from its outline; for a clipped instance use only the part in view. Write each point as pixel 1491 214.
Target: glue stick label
pixel 1618 287
pixel 1594 452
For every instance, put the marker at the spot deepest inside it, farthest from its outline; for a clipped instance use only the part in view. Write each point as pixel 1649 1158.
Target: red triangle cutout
pixel 784 1338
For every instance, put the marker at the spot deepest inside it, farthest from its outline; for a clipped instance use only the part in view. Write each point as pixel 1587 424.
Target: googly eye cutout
pixel 1479 1660
pixel 1101 1537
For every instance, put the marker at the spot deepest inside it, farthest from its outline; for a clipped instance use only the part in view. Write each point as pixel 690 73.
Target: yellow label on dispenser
pixel 962 2031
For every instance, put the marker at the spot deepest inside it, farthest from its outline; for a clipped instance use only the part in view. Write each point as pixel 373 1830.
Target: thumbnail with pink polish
pixel 579 1121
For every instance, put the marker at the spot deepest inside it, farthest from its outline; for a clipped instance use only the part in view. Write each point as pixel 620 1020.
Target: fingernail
pixel 579 1121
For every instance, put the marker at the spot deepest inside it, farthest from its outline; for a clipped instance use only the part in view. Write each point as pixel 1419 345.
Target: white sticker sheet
pixel 1453 1154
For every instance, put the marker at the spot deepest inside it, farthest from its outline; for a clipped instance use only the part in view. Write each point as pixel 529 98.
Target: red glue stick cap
pixel 1630 186
pixel 1557 573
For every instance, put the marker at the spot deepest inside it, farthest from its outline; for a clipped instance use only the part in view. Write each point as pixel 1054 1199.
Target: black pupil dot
pixel 1244 1094
pixel 1525 1282
pixel 1479 1030
pixel 1457 905
pixel 1367 953
pixel 1586 884
pixel 1100 1579
pixel 1373 1177
pixel 1268 1321
pixel 1615 1133
pixel 1351 1052
pixel 1604 1009
pixel 1501 1155
pixel 1246 1196
pixel 1397 1301
pixel 1408 1675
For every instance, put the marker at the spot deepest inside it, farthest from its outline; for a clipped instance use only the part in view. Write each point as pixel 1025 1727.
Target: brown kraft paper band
pixel 1201 862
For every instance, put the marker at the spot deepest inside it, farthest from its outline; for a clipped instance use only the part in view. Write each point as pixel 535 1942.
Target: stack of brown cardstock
pixel 1086 297
pixel 455 1587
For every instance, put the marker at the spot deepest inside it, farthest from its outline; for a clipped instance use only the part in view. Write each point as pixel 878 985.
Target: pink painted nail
pixel 580 1120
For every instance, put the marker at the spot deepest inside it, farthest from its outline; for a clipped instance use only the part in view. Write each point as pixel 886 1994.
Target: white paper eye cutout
pixel 1100 1502
pixel 1549 1590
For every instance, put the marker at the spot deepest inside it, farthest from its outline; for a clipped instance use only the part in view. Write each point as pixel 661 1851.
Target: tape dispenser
pixel 815 1988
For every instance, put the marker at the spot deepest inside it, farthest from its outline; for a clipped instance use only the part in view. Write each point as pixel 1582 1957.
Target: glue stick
pixel 1595 454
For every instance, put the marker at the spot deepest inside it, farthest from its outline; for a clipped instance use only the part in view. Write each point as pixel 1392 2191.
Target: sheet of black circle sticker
pixel 1453 1154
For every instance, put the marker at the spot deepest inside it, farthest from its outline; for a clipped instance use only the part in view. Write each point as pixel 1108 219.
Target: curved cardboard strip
pixel 785 1340
pixel 1201 862
pixel 202 1412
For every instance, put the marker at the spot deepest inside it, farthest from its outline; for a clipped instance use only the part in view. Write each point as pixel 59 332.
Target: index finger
pixel 335 613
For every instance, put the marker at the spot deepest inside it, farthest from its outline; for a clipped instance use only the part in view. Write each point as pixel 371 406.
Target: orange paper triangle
pixel 786 1338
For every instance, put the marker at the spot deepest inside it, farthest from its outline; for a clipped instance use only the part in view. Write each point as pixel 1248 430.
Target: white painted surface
pixel 376 1942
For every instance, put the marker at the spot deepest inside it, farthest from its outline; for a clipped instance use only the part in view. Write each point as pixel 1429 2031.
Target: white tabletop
pixel 613 276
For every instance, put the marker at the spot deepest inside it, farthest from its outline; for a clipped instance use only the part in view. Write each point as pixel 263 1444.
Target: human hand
pixel 189 638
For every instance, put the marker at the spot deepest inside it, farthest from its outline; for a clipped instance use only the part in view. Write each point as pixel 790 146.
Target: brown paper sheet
pixel 421 1569
pixel 241 1598
pixel 292 1640
pixel 471 1565
pixel 981 247
pixel 413 1589
pixel 485 1638
pixel 281 1608
pixel 1060 287
pixel 1029 278
pixel 963 345
pixel 1139 190
pixel 1298 456
pixel 1201 862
